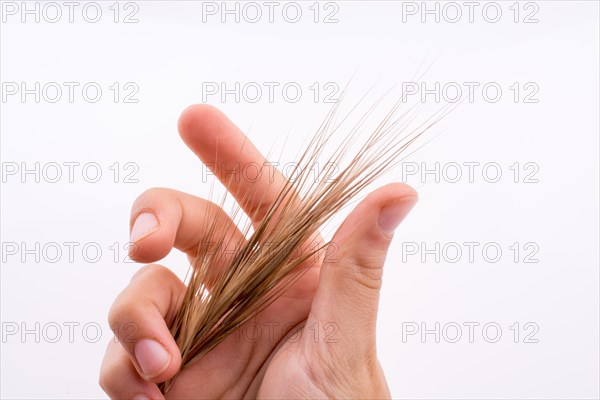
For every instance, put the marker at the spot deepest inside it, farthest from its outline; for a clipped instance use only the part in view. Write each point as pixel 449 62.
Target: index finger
pixel 230 155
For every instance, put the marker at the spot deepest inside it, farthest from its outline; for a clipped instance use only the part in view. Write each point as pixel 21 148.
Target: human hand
pixel 315 341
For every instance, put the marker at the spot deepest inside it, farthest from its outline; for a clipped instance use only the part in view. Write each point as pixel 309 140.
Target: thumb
pixel 348 293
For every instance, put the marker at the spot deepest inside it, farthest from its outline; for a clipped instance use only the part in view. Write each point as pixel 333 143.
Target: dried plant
pixel 215 304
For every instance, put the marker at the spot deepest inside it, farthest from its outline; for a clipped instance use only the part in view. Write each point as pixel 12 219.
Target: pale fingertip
pixel 152 357
pixel 145 224
pixel 393 213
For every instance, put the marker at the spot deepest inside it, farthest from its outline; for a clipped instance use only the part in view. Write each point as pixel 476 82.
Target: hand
pixel 316 341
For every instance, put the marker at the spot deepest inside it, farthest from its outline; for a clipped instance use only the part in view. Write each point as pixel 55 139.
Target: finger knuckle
pixel 149 196
pixel 152 272
pixel 109 374
pixel 366 269
pixel 120 310
pixel 124 307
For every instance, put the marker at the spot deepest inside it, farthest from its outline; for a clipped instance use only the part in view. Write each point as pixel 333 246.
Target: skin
pixel 316 341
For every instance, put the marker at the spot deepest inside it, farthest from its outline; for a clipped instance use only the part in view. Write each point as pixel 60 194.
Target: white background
pixel 171 51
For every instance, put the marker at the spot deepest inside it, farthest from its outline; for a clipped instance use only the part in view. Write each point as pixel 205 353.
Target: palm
pixel 236 367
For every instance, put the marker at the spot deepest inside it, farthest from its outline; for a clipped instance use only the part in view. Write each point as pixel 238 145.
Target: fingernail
pixel 152 357
pixel 144 224
pixel 393 213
